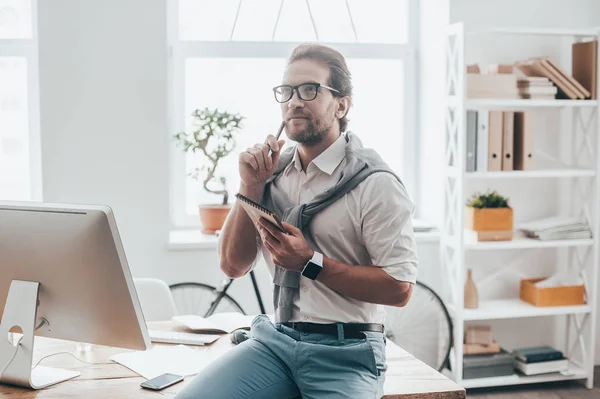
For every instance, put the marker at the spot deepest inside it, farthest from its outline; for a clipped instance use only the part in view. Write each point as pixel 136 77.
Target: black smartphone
pixel 162 381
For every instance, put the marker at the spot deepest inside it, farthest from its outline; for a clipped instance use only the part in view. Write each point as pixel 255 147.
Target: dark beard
pixel 311 135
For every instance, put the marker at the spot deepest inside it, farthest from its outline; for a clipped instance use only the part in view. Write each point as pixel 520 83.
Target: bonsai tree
pixel 212 135
pixel 488 200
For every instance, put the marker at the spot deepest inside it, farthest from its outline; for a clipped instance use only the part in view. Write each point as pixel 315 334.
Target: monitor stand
pixel 21 310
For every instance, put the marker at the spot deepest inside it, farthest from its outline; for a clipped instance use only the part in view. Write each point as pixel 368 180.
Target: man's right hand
pixel 255 164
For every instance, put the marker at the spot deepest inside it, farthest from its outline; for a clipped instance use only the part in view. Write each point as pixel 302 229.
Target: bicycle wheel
pixel 197 298
pixel 423 327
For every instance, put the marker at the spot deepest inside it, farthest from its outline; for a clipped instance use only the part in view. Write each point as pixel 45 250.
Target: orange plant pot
pixel 213 217
pixel 488 219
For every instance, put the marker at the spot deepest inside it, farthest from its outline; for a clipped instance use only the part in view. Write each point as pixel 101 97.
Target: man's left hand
pixel 289 251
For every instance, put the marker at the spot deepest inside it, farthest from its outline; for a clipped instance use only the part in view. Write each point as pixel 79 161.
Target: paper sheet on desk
pixel 165 359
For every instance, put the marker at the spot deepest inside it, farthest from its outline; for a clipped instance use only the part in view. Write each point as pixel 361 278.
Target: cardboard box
pixel 481 335
pixel 489 219
pixel 551 296
pixel 478 349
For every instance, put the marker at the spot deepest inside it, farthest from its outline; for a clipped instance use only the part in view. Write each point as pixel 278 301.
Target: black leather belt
pixel 351 330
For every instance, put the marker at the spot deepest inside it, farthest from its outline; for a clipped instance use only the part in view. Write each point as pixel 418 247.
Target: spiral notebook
pixel 256 211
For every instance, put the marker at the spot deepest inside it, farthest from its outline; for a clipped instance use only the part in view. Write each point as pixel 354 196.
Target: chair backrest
pixel 155 298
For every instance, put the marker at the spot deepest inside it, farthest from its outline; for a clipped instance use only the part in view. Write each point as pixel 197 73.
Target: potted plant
pixel 489 212
pixel 213 135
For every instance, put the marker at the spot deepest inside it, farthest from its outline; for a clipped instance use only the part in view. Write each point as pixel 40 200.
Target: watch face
pixel 311 270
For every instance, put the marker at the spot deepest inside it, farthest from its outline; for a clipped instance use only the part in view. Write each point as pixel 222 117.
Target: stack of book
pixel 568 86
pixel 536 87
pixel 557 228
pixel 540 360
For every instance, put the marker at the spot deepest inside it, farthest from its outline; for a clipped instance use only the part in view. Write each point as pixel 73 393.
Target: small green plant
pixel 490 199
pixel 213 135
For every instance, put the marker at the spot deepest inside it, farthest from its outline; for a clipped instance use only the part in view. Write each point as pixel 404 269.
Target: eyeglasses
pixel 306 91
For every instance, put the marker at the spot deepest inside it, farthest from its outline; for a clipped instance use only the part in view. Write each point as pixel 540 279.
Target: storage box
pixel 502 85
pixel 489 219
pixel 477 349
pixel 484 366
pixel 478 335
pixel 551 296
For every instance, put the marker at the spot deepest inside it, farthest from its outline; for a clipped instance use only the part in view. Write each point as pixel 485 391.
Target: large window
pixel 20 170
pixel 229 54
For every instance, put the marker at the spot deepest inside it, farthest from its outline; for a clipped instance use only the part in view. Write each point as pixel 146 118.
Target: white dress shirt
pixel 368 226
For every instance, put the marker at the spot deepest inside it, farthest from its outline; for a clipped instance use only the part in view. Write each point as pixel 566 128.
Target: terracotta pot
pixel 486 219
pixel 213 217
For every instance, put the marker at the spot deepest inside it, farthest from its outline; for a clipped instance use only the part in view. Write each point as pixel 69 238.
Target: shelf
pixel 575 373
pixel 519 242
pixel 515 308
pixel 535 32
pixel 526 174
pixel 520 104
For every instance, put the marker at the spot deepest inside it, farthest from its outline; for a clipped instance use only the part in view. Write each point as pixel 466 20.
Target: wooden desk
pixel 406 378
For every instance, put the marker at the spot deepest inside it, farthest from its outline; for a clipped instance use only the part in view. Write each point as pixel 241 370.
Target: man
pixel 349 249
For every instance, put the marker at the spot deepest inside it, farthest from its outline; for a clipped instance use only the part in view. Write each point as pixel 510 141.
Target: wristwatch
pixel 314 266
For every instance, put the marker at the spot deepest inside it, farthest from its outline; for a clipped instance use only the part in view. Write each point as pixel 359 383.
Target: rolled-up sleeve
pixel 386 227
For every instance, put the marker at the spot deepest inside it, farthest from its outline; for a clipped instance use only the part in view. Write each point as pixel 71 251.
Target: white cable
pixel 312 20
pixel 66 353
pixel 237 14
pixel 352 21
pixel 277 20
pixel 13 356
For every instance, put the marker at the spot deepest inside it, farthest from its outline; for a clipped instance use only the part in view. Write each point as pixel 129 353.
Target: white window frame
pixel 179 51
pixel 28 49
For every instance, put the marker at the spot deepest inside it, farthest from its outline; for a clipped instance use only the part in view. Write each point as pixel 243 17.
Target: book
pixel 554 366
pixel 556 228
pixel 471 141
pixel 584 65
pixel 482 139
pixel 218 323
pixel 255 211
pixel 523 145
pixel 473 237
pixel 537 354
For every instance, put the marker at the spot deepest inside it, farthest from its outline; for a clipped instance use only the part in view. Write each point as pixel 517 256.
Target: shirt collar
pixel 327 161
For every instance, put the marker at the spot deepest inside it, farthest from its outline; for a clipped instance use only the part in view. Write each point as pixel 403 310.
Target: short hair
pixel 339 74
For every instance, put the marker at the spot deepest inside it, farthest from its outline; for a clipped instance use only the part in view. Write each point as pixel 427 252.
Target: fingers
pixel 290 228
pixel 277 154
pixel 271 229
pixel 271 141
pixel 268 238
pixel 264 149
pixel 259 164
pixel 248 158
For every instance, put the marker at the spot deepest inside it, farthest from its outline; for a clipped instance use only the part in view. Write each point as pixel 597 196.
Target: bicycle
pixel 423 327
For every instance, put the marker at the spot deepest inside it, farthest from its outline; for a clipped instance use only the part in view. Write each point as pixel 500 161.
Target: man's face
pixel 308 121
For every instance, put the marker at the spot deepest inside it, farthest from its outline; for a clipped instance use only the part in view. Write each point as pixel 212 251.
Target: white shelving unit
pixel 582 255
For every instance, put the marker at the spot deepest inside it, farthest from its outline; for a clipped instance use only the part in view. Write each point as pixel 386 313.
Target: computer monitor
pixel 63 270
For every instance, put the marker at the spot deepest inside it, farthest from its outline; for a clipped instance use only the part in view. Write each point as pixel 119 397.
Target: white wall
pixel 104 126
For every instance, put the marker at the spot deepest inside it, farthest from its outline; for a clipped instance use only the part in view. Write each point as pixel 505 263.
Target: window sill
pixel 182 240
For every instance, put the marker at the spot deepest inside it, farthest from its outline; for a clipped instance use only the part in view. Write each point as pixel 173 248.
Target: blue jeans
pixel 280 362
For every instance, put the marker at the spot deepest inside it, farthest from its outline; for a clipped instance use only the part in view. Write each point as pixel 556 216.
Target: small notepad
pixel 256 211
